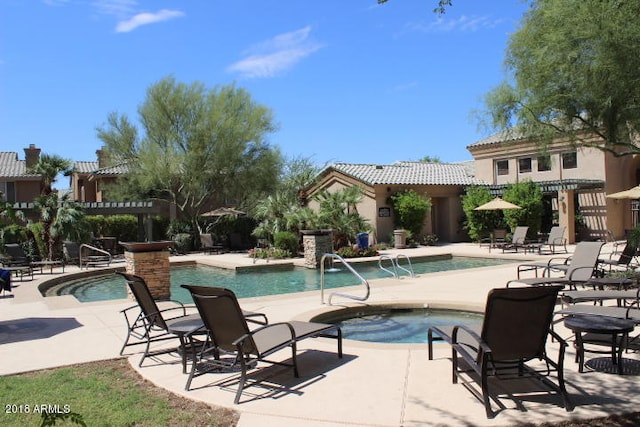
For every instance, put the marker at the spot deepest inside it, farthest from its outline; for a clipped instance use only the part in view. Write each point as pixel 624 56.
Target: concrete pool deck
pixel 373 385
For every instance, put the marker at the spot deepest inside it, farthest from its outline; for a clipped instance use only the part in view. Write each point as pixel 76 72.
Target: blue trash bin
pixel 363 240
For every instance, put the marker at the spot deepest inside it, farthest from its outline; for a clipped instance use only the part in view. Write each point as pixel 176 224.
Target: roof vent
pixel 379 166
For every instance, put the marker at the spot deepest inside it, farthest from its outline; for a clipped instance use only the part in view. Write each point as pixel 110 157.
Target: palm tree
pixel 49 166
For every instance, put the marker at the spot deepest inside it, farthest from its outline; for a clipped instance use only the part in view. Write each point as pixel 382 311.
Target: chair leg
pixel 294 359
pixel 454 365
pixel 243 378
pixel 484 384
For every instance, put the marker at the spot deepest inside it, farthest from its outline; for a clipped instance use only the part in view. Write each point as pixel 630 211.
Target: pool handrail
pixel 351 269
pixel 408 270
pixel 394 273
pixel 94 260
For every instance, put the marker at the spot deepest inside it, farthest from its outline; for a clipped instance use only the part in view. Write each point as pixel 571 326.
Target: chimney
pixel 102 158
pixel 32 155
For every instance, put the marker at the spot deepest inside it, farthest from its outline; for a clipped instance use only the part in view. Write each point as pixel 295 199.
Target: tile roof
pixel 120 169
pixel 407 173
pixel 509 135
pixel 85 167
pixel 10 166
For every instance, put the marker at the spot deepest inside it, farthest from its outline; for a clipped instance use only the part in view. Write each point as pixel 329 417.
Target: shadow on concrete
pixel 35 328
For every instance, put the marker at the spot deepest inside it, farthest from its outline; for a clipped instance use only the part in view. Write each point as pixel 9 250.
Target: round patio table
pixel 600 330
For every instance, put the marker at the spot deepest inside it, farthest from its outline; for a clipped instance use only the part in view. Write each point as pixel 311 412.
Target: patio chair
pixel 580 267
pixel 518 240
pixel 232 344
pixel 251 316
pixel 554 240
pixel 208 245
pixel 153 324
pixel 514 333
pixel 14 256
pixel 625 259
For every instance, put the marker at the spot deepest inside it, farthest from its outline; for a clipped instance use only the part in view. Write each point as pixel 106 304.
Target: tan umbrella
pixel 497 204
pixel 223 211
pixel 632 193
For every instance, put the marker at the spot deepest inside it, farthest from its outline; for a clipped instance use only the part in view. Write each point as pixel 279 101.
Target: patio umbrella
pixel 223 211
pixel 632 193
pixel 497 204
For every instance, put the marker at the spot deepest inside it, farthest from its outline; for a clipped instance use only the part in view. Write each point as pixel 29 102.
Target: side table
pixel 605 330
pixel 181 327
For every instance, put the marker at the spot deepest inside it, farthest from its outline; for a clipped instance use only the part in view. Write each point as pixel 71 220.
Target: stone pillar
pixel 154 268
pixel 315 245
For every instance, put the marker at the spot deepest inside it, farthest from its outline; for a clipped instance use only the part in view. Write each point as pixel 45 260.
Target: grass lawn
pixel 111 393
pixel 108 393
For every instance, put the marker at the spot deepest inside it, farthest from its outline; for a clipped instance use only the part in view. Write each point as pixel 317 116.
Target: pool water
pixel 252 283
pixel 402 325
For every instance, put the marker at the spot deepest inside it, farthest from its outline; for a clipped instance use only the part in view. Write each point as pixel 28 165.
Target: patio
pixel 373 385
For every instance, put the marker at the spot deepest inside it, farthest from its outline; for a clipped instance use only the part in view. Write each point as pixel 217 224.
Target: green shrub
pixel 183 243
pixel 350 252
pixel 269 253
pixel 286 240
pixel 410 210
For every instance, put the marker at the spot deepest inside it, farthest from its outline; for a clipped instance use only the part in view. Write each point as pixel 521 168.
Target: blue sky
pixel 348 81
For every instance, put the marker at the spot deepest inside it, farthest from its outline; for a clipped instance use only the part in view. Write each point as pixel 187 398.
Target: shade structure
pixel 632 193
pixel 223 211
pixel 497 204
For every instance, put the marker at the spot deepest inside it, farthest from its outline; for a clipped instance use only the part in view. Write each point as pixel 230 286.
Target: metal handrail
pixel 394 273
pixel 107 255
pixel 408 270
pixel 351 269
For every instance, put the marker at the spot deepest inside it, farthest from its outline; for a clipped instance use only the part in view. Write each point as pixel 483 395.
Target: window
pixel 569 160
pixel 8 190
pixel 503 167
pixel 524 165
pixel 544 163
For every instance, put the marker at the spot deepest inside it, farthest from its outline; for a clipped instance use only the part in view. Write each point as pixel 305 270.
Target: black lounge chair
pixel 231 344
pixel 625 259
pixel 514 333
pixel 153 324
pixel 208 245
pixel 251 316
pixel 14 256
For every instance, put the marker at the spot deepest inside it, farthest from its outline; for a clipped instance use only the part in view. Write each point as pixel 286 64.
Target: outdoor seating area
pixel 405 384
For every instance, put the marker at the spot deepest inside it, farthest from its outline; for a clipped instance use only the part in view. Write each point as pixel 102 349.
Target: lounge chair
pixel 514 333
pixel 153 324
pixel 580 267
pixel 14 256
pixel 496 238
pixel 518 240
pixel 554 240
pixel 625 259
pixel 207 244
pixel 251 316
pixel 229 334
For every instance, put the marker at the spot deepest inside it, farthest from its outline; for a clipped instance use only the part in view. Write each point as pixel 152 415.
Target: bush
pixel 183 243
pixel 266 253
pixel 349 252
pixel 286 240
pixel 410 210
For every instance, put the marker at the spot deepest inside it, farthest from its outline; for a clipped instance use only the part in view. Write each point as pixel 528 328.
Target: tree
pixel 49 166
pixel 430 159
pixel 337 211
pixel 410 210
pixel 441 8
pixel 196 147
pixel 574 68
pixel 479 223
pixel 527 195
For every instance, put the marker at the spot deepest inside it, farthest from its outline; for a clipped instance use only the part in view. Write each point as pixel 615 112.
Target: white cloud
pixel 276 55
pixel 118 8
pixel 147 18
pixel 463 24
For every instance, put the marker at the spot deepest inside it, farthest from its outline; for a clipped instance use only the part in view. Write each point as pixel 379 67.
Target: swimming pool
pixel 394 324
pixel 252 283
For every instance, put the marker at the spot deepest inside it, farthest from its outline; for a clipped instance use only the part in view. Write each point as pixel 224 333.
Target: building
pixel 443 183
pixel 575 180
pixel 89 180
pixel 17 184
